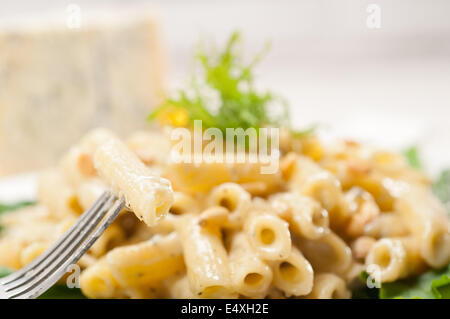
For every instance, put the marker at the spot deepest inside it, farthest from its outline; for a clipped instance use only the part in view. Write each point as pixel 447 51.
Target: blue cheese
pixel 57 83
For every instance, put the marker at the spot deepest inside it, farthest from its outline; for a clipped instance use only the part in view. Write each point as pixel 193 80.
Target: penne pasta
pixel 55 194
pixel 427 220
pixel 394 258
pixel 389 224
pixel 183 204
pixel 89 191
pixel 206 259
pixel 179 288
pixel 250 276
pixel 305 216
pixel 10 253
pixel 293 275
pixel 233 198
pixel 226 230
pixel 31 252
pixel 268 235
pixel 97 281
pixel 310 179
pixel 77 164
pixel 329 286
pixel 149 196
pixel 150 147
pixel 148 262
pixel 112 237
pixel 363 209
pixel 203 177
pixel 145 292
pixel 362 246
pixel 329 253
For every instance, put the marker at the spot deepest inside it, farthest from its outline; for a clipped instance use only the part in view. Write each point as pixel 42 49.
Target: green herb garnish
pixel 434 284
pixel 62 292
pixel 11 207
pixel 412 156
pixel 4 271
pixel 223 95
pixel 441 188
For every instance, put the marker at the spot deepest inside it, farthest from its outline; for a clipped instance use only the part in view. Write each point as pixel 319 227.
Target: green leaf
pixel 4 271
pixel 413 157
pixel 62 292
pixel 434 284
pixel 304 133
pixel 11 207
pixel 223 95
pixel 441 287
pixel 441 188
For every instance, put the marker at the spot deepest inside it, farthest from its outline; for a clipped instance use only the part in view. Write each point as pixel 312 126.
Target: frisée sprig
pixel 222 94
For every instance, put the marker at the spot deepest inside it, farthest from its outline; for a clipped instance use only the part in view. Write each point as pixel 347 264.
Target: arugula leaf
pixel 434 284
pixel 223 94
pixel 10 207
pixel 62 292
pixel 412 156
pixel 441 287
pixel 4 271
pixel 441 188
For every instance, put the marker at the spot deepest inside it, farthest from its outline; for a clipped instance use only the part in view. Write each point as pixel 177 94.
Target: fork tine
pixel 59 267
pixel 84 218
pixel 63 250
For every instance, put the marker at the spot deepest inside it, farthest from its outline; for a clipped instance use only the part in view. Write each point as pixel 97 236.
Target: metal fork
pixel 43 272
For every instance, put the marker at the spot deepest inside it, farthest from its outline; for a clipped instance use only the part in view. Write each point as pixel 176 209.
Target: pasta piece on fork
pixel 147 195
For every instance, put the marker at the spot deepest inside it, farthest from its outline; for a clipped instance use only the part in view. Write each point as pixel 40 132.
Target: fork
pixel 38 276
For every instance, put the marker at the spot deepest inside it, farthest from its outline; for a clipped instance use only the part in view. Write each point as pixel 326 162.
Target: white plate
pixel 18 188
